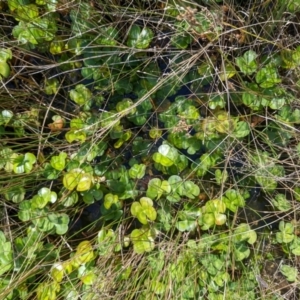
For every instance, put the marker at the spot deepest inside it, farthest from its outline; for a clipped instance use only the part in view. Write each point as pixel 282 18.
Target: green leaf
pixel 186 225
pixel 81 94
pixel 109 200
pixel 25 211
pixel 57 272
pixel 156 188
pixel 24 163
pixel 289 272
pixel 47 290
pixel 216 101
pixel 295 246
pixel 77 178
pixel 75 135
pixel 286 234
pixel 227 71
pixel 221 176
pixel 166 155
pixel 84 253
pixel 58 162
pixel 71 179
pixel 243 232
pixel 106 241
pixel 181 41
pixel 6 255
pixel 43 197
pixel 60 222
pixel 87 277
pixel 4 69
pixel 189 189
pixel 143 240
pixel 85 182
pixel 267 77
pixel 137 171
pixel 71 199
pixel 241 252
pixel 233 200
pixel 139 38
pixel 50 173
pixel 164 161
pixel 5 54
pixel 92 195
pixel 143 210
pixel 15 194
pixel 108 37
pixel 281 203
pixel 242 129
pixel 247 63
pixel 114 213
pixel 27 12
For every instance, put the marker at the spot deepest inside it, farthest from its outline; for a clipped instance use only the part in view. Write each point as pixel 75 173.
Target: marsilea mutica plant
pixel 164 127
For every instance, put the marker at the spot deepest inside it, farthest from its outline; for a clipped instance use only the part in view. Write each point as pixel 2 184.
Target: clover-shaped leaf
pixel 139 38
pixel 214 206
pixel 243 232
pixel 189 189
pixel 47 290
pixel 75 135
pixel 242 129
pixel 143 240
pixel 247 63
pixel 109 200
pixel 213 214
pixel 25 212
pixel 295 246
pixel 81 95
pixel 71 199
pixel 92 195
pixel 87 275
pixel 221 176
pixel 113 213
pixel 58 162
pixel 60 222
pixel 137 171
pixel 281 202
pixel 84 253
pixel 108 37
pixel 24 163
pixel 233 200
pixel 267 77
pixel 43 197
pixel 241 252
pixel 166 155
pixel 156 188
pixel 186 225
pixel 126 105
pixel 15 194
pixel 143 210
pixel 78 179
pixel 106 241
pixel 289 272
pixel 5 54
pixel 286 234
pixel 216 101
pixel 176 184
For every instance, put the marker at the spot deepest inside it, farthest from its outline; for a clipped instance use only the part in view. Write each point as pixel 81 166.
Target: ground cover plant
pixel 149 149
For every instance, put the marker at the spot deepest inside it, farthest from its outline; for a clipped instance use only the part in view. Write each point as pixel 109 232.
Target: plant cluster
pixel 147 150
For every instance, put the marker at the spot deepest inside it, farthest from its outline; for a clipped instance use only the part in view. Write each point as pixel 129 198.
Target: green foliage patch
pixel 149 151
